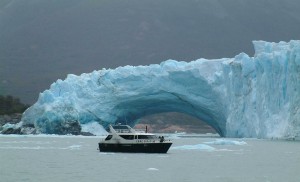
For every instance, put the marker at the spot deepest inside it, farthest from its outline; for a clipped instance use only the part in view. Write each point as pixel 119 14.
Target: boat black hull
pixel 136 148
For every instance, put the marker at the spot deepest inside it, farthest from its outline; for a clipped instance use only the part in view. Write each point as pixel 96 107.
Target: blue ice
pixel 239 97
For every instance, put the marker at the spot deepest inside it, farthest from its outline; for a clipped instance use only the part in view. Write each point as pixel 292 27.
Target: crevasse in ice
pixel 240 97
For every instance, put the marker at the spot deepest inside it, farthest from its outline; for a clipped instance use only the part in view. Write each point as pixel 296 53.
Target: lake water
pixel 73 158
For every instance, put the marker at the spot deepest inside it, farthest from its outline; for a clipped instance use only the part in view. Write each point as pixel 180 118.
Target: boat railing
pixel 129 131
pixel 152 140
pixel 139 130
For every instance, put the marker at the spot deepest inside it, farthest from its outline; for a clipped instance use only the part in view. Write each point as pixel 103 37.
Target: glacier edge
pixel 239 97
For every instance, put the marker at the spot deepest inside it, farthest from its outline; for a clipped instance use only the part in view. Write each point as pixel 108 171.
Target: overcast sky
pixel 44 40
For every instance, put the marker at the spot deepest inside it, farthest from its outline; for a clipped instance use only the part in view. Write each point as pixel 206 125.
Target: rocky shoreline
pixel 12 119
pixel 10 124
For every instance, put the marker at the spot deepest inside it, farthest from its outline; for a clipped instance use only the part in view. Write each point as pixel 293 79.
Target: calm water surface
pixel 53 158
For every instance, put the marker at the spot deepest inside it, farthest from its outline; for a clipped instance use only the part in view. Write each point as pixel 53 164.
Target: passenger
pixel 162 139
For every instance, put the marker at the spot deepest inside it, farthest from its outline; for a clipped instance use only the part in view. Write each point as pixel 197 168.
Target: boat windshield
pixel 108 137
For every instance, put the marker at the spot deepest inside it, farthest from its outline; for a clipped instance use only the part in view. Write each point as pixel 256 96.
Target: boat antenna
pixel 125 120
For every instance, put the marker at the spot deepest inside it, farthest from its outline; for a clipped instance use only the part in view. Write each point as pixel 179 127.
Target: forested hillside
pixel 10 105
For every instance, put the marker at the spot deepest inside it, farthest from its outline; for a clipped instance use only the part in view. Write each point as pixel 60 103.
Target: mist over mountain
pixel 44 40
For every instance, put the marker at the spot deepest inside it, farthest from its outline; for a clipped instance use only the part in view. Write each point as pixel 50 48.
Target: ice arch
pixel 239 97
pixel 129 93
pixel 177 91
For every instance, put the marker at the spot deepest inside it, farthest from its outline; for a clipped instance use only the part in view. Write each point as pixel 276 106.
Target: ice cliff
pixel 240 97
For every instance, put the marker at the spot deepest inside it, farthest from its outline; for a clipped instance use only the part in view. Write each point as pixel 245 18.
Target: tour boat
pixel 123 138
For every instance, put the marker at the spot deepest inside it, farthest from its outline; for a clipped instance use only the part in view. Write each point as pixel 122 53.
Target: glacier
pixel 239 97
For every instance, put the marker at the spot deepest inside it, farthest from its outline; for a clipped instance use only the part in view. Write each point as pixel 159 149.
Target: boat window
pixel 127 137
pixel 108 137
pixel 146 137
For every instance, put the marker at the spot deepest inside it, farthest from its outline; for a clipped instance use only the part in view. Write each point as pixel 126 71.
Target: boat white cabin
pixel 123 138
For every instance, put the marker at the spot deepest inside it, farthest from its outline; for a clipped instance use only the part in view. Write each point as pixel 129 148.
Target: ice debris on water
pixel 73 147
pixel 94 128
pixel 226 142
pixel 203 147
pixel 152 169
